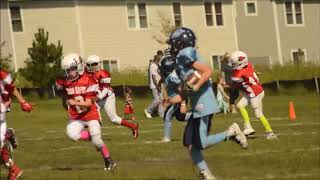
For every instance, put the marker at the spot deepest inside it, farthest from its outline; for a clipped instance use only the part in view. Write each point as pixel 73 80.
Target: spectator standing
pixel 222 97
pixel 154 81
pixel 227 74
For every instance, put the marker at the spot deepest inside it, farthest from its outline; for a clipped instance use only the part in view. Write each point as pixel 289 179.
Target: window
pixel 16 20
pixel 177 14
pixel 298 55
pixel 110 65
pixel 208 12
pixel 219 15
pixel 251 8
pixel 216 17
pixel 137 15
pixel 142 15
pixel 131 15
pixel 216 59
pixel 294 14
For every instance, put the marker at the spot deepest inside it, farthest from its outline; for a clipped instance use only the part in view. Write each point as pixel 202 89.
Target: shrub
pixel 130 77
pixel 288 71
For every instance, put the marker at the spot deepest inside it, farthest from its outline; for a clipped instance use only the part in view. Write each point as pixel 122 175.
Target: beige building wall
pixel 306 36
pixel 56 17
pixel 257 33
pixel 101 27
pixel 5 31
pixel 214 40
pixel 111 38
pixel 106 33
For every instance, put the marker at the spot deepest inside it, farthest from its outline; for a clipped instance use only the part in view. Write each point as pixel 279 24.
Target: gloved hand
pixel 25 106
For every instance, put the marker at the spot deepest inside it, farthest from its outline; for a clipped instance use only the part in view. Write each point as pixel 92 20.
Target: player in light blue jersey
pixel 188 67
pixel 171 82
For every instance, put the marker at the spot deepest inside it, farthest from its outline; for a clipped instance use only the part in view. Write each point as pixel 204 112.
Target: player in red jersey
pixel 106 97
pixel 7 89
pixel 80 90
pixel 245 77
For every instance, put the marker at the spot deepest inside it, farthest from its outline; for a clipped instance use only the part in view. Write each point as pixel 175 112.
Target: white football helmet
pixel 93 63
pixel 238 60
pixel 72 64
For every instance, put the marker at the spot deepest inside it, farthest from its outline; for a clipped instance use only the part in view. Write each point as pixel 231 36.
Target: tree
pixel 43 65
pixel 5 61
pixel 166 27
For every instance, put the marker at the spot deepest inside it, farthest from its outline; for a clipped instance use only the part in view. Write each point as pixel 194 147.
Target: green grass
pixel 46 153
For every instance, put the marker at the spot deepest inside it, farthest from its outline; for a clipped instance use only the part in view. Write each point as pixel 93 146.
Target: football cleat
pixel 271 135
pixel 12 138
pixel 248 130
pixel 135 131
pixel 237 135
pixel 206 175
pixel 165 140
pixel 147 114
pixel 109 164
pixel 14 173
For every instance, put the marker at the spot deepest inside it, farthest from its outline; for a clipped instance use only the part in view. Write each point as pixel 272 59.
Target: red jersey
pixel 6 86
pixel 103 78
pixel 247 79
pixel 83 88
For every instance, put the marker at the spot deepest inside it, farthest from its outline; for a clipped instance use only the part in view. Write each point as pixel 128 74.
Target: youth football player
pixel 244 76
pixel 7 89
pixel 80 91
pixel 106 97
pixel 182 42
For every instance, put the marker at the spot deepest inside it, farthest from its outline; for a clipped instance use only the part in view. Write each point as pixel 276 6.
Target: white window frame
pixel 21 17
pixel 111 59
pixel 294 24
pixel 214 14
pixel 136 15
pixel 246 13
pixel 219 60
pixel 296 50
pixel 181 13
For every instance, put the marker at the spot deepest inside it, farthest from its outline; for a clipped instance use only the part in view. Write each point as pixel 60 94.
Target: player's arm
pixel 205 71
pixel 104 82
pixel 179 96
pixel 25 106
pixel 183 106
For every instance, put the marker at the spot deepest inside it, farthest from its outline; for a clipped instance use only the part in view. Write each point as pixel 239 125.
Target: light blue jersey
pixel 172 82
pixel 203 101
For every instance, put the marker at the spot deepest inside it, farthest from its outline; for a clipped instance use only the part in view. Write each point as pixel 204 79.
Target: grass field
pixel 45 152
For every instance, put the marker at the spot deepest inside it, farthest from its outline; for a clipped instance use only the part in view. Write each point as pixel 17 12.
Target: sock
pixel 198 160
pixel 128 124
pixel 214 139
pixel 84 135
pixel 265 123
pixel 105 152
pixel 5 155
pixel 245 115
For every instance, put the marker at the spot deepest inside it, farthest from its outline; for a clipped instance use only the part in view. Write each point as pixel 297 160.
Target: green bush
pixel 288 71
pixel 130 77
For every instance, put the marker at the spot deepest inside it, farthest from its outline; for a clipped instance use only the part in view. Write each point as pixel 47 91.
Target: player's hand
pixel 7 103
pixel 71 102
pixel 26 107
pixel 183 108
pixel 195 88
